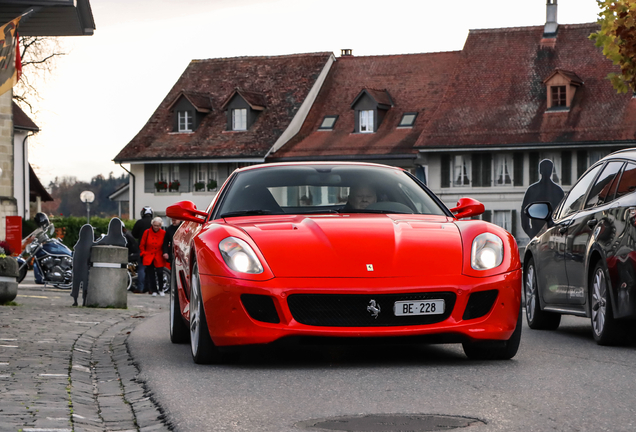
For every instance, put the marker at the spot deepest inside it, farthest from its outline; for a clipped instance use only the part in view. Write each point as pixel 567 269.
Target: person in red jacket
pixel 151 248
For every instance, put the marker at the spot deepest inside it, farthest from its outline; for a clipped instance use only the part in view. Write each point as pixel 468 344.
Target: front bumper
pixel 230 323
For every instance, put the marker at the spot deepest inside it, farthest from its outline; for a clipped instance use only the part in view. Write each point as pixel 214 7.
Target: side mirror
pixel 467 207
pixel 538 210
pixel 185 211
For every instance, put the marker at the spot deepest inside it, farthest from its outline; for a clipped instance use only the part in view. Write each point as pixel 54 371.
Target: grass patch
pixel 11 303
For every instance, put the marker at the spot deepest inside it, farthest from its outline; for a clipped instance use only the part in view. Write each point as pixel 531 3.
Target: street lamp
pixel 88 197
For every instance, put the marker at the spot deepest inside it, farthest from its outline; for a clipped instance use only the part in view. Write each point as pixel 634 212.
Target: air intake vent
pixel 479 304
pixel 260 308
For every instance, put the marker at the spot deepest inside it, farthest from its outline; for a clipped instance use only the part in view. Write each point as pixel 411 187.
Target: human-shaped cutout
pixel 81 259
pixel 545 190
pixel 114 236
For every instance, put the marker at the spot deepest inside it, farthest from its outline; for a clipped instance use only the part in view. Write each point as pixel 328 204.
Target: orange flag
pixel 10 65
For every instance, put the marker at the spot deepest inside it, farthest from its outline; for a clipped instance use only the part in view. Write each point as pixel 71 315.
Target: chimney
pixel 551 25
pixel 346 52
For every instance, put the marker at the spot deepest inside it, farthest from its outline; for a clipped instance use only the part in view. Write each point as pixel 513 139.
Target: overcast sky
pixel 106 88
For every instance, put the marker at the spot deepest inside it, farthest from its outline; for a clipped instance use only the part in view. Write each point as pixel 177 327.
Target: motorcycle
pixel 52 260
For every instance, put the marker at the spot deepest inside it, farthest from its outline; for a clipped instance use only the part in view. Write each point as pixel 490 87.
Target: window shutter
pixel 566 168
pixel 581 162
pixel 445 170
pixel 149 178
pixel 518 167
pixel 476 170
pixel 534 167
pixel 487 216
pixel 185 178
pixel 513 225
pixel 486 169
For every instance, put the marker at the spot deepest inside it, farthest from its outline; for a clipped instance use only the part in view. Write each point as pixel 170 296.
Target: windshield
pixel 310 189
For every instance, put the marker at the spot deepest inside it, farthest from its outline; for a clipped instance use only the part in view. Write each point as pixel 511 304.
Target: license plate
pixel 418 307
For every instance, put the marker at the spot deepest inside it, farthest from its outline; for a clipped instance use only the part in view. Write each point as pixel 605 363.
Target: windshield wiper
pixel 316 212
pixel 373 211
pixel 246 213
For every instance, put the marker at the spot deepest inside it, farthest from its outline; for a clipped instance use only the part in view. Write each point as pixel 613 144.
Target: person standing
pixel 167 241
pixel 151 247
pixel 137 232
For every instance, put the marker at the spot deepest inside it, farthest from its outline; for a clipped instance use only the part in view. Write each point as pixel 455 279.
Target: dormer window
pixel 243 109
pixel 185 121
pixel 239 119
pixel 561 88
pixel 189 109
pixel 559 96
pixel 370 107
pixel 366 121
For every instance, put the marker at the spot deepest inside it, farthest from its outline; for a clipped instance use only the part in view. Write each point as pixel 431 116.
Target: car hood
pixel 359 245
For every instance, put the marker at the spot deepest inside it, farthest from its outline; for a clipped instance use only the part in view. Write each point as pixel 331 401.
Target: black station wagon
pixel 582 262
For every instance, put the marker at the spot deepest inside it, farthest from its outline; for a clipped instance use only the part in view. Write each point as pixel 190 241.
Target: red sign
pixel 14 233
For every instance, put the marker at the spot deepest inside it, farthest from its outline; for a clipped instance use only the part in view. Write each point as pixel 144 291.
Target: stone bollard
pixel 8 279
pixel 108 278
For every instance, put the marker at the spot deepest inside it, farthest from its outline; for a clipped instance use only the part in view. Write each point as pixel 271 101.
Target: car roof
pixel 629 153
pixel 278 164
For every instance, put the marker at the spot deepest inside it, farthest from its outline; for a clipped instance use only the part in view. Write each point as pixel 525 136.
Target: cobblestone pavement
pixel 65 368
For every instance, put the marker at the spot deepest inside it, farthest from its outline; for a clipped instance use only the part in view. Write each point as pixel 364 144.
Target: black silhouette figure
pixel 114 236
pixel 81 259
pixel 545 190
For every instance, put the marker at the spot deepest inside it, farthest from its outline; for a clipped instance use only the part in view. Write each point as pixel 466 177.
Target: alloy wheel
pixel 195 311
pixel 531 292
pixel 599 301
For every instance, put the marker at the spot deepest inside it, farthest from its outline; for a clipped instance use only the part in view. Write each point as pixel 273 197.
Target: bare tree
pixel 39 55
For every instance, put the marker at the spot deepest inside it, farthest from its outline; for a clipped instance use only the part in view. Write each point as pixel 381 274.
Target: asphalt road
pixel 558 381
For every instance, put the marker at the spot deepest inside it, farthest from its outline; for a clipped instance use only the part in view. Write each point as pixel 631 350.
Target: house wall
pixel 146 195
pixel 8 204
pixel 21 184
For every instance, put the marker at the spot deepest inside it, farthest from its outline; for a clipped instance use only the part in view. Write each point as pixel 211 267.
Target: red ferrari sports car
pixel 301 251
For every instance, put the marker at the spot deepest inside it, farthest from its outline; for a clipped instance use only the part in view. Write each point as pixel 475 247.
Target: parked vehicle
pixel 52 260
pixel 306 251
pixel 583 261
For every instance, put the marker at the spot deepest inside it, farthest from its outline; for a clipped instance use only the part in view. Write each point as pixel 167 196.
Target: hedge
pixel 71 225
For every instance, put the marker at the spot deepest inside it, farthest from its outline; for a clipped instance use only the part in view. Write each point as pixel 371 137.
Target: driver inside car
pixel 361 197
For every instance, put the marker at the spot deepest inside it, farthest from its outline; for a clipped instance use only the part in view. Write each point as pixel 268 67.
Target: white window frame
pixel 460 168
pixel 366 121
pixel 167 173
pixel 503 218
pixel 504 170
pixel 239 119
pixel 185 121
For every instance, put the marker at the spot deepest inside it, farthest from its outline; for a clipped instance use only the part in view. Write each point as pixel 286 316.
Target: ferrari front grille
pixel 363 310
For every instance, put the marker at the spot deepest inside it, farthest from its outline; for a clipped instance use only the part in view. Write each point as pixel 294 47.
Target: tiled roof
pixel 415 83
pixel 21 120
pixel 256 101
pixel 284 81
pixel 380 96
pixel 497 96
pixel 201 102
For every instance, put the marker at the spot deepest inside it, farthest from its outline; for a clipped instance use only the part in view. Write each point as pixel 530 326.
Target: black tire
pixel 201 346
pixel 488 351
pixel 179 332
pixel 22 273
pixel 537 319
pixel 605 329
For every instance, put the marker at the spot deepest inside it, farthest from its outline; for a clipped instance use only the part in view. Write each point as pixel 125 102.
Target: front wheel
pixel 605 328
pixel 203 349
pixel 22 273
pixel 537 319
pixel 486 351
pixel 165 280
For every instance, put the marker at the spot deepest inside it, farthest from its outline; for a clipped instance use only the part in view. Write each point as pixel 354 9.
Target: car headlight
pixel 239 256
pixel 487 252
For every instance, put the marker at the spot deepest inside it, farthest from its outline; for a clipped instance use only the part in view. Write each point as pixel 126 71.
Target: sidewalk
pixel 65 368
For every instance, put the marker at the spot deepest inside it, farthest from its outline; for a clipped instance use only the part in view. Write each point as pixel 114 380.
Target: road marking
pixel 8 346
pixel 2 339
pixel 53 375
pixel 81 350
pixel 42 297
pixel 82 368
pixel 86 322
